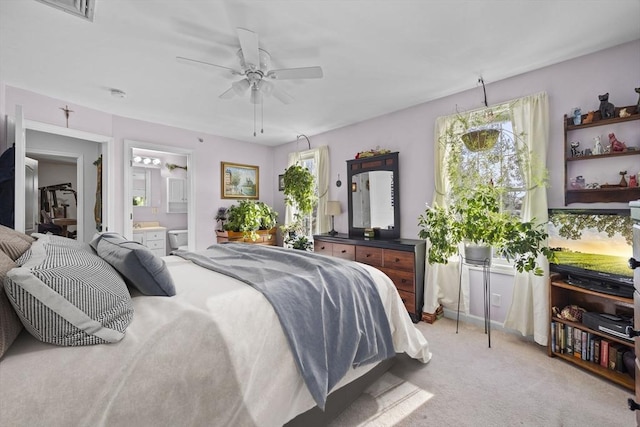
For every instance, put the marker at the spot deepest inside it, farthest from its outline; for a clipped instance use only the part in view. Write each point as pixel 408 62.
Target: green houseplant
pixel 299 193
pixel 249 217
pixel 477 219
pixel 481 162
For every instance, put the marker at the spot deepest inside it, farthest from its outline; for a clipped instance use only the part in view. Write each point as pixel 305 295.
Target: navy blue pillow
pixel 138 266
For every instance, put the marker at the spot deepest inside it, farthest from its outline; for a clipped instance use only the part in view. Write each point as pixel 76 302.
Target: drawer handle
pixel 368 255
pixel 344 251
pixel 322 247
pixel 633 406
pixel 397 259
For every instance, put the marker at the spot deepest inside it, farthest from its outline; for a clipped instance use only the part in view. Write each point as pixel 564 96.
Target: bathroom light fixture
pixel 147 161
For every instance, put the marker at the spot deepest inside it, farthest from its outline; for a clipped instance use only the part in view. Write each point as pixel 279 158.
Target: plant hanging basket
pixel 480 140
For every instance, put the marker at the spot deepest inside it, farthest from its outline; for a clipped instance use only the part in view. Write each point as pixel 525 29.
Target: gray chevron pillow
pixel 67 295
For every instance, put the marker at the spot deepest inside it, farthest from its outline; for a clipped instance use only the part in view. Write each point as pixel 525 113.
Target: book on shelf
pixel 577 343
pixel 554 326
pixel 585 345
pixel 596 350
pixel 604 353
pixel 569 339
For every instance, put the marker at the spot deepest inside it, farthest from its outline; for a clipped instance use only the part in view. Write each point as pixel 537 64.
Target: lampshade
pixel 333 208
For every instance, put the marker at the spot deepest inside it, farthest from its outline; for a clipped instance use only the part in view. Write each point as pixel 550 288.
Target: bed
pixel 215 353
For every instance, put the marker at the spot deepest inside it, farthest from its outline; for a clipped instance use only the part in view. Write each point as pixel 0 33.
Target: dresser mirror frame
pixel 385 162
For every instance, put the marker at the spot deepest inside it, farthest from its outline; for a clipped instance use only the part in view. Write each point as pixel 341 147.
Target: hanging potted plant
pixel 475 218
pixel 250 222
pixel 299 193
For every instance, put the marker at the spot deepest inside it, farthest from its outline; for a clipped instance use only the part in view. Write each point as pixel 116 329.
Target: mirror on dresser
pixel 373 196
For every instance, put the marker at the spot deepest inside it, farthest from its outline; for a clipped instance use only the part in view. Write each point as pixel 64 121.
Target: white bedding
pixel 213 355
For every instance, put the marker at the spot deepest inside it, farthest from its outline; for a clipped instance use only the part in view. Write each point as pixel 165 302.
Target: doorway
pixel 161 166
pixel 26 133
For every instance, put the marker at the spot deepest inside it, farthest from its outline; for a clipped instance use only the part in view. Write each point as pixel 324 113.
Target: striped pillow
pixel 67 295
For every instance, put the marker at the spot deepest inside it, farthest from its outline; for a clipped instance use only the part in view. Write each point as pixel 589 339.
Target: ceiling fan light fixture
pixel 256 96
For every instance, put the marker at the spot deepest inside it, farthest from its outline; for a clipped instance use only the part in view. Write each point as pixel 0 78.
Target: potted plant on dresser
pixel 299 193
pixel 249 222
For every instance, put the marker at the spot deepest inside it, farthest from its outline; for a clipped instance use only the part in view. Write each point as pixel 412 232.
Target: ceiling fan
pixel 255 67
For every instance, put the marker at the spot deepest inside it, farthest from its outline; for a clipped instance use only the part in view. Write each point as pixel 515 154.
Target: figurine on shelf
pixel 624 113
pixel 577 116
pixel 574 148
pixel 623 182
pixel 588 118
pixel 597 148
pixel 607 109
pixel 615 144
pixel 633 181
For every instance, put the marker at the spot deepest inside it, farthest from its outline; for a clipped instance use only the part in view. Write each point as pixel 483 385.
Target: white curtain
pixel 320 157
pixel 529 310
pixel 442 280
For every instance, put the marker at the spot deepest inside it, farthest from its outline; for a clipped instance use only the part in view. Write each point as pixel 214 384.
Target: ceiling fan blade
pixel 228 94
pixel 296 73
pixel 249 46
pixel 283 96
pixel 195 61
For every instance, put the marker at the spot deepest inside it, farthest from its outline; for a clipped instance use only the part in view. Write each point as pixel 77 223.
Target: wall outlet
pixel 496 300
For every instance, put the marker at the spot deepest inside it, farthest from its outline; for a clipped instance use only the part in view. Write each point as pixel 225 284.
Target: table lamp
pixel 333 208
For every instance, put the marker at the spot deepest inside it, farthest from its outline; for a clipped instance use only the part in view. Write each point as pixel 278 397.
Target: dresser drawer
pixel 403 280
pixel 371 256
pixel 155 244
pixel 409 300
pixel 399 260
pixel 159 252
pixel 154 235
pixel 324 248
pixel 344 251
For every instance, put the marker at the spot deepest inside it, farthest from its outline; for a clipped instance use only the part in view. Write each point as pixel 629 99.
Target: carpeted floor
pixel 513 383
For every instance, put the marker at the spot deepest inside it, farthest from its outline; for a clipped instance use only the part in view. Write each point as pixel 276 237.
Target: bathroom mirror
pixel 141 186
pixel 373 195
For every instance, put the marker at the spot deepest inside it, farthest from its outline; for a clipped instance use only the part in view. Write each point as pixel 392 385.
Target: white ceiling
pixel 377 56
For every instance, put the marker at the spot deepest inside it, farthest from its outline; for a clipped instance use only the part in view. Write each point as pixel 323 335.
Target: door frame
pixel 16 132
pixel 129 145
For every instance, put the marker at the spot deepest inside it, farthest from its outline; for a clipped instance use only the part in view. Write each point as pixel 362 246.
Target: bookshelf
pixel 562 294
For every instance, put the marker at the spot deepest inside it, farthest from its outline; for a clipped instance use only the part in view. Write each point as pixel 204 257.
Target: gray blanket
pixel 330 309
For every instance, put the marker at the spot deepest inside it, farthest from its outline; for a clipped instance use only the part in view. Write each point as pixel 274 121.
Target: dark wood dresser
pixel 400 259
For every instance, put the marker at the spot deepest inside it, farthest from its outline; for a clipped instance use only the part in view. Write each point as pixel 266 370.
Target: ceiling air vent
pixel 81 8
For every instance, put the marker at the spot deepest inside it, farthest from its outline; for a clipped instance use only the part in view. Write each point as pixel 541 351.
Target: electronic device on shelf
pixel 592 248
pixel 608 323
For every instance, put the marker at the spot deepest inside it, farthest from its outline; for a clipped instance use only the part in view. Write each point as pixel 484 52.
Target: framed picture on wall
pixel 281 182
pixel 239 181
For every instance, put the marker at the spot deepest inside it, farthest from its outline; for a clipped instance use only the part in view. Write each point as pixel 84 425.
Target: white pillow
pixel 67 295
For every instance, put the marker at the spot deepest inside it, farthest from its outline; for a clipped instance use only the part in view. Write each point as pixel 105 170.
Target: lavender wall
pixel 410 132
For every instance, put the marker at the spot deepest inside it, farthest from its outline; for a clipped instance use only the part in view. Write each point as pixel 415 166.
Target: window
pixel 501 163
pixel 317 161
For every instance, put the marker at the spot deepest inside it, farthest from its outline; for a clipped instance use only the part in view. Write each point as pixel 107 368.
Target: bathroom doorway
pixel 159 188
